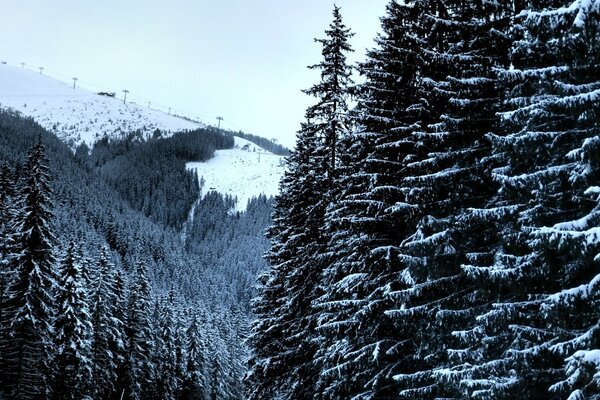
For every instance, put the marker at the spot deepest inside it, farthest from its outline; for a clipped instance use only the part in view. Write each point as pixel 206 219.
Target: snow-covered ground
pixel 245 171
pixel 79 115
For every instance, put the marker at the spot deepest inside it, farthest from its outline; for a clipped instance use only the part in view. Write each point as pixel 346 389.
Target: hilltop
pixel 81 116
pixel 78 115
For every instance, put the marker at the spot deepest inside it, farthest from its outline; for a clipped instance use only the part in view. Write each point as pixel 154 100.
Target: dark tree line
pixel 269 145
pixel 440 239
pixel 150 174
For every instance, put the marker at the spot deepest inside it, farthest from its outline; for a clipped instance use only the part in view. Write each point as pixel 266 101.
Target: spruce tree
pixel 361 348
pixel 140 369
pixel 7 214
pixel 30 295
pixel 195 384
pixel 108 335
pixel 329 116
pixel 73 330
pixel 283 336
pixel 167 380
pixel 465 43
pixel 121 314
pixel 540 337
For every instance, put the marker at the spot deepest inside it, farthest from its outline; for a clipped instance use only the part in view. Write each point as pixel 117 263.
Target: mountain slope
pixel 244 172
pixel 79 115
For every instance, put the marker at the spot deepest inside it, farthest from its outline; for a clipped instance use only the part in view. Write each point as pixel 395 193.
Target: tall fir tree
pixel 540 337
pixel 329 116
pixel 361 348
pixel 140 368
pixel 121 313
pixel 465 44
pixel 30 307
pixel 73 332
pixel 7 213
pixel 108 346
pixel 283 336
pixel 195 383
pixel 167 380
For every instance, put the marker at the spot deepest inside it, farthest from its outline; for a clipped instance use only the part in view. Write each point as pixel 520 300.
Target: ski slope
pixel 244 172
pixel 79 115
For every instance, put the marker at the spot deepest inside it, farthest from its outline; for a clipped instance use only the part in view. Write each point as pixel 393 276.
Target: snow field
pixel 79 115
pixel 245 171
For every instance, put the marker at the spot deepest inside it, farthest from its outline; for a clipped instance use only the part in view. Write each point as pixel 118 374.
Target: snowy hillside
pixel 78 115
pixel 245 171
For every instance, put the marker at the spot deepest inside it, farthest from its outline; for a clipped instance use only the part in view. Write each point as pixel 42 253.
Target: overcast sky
pixel 244 60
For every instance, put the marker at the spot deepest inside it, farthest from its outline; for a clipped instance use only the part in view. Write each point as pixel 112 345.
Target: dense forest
pixel 150 174
pixel 440 239
pixel 435 236
pixel 103 298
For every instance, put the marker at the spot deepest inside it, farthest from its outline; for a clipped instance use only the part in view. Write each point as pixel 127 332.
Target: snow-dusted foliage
pixel 283 337
pixel 360 348
pixel 140 369
pixel 460 250
pixel 546 308
pixel 73 332
pixel 107 318
pixel 29 306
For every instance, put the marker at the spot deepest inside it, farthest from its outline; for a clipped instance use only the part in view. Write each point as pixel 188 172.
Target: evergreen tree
pixel 165 350
pixel 217 380
pixel 72 362
pixel 466 42
pixel 121 314
pixel 7 214
pixel 140 369
pixel 283 335
pixel 108 341
pixel 29 307
pixel 400 231
pixel 195 384
pixel 329 117
pixel 540 337
pixel 361 346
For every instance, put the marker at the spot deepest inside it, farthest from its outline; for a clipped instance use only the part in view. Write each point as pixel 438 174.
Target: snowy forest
pixel 435 236
pixel 103 296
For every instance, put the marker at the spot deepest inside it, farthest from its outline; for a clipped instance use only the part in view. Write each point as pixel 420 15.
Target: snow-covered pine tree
pixel 361 347
pixel 217 380
pixel 73 332
pixel 167 380
pixel 226 354
pixel 266 338
pixel 463 45
pixel 121 314
pixel 7 201
pixel 283 335
pixel 7 214
pixel 108 344
pixel 140 369
pixel 30 294
pixel 180 347
pixel 329 117
pixel 541 338
pixel 195 382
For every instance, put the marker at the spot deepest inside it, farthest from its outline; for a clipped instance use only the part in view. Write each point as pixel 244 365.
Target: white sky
pixel 244 60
